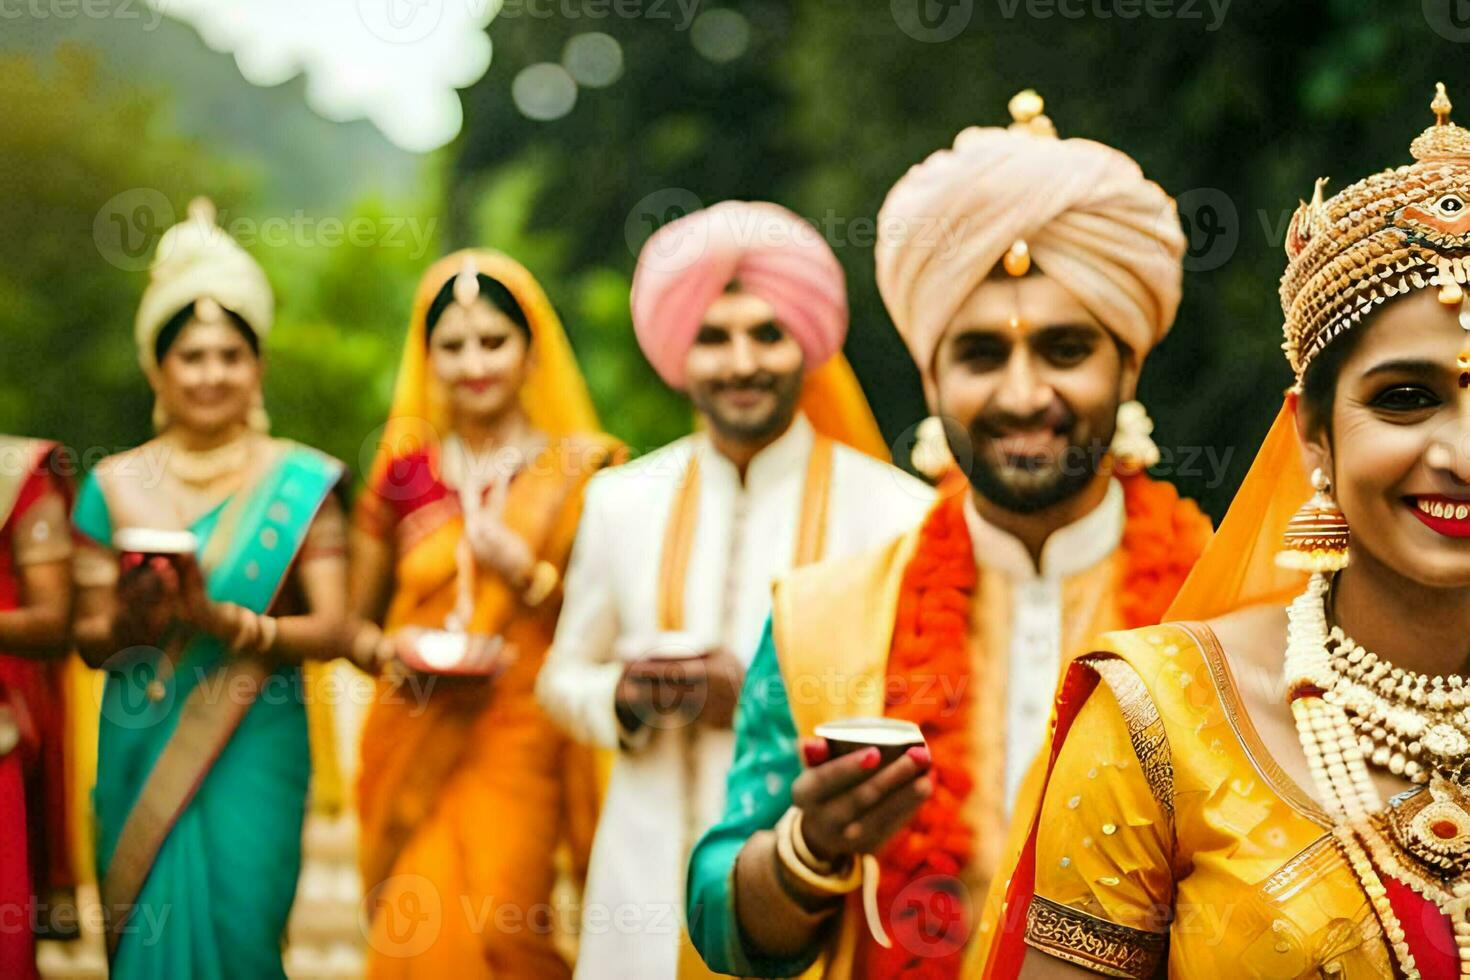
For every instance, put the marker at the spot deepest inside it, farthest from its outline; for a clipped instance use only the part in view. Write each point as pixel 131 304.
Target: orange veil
pixel 1238 568
pixel 555 395
pixel 835 405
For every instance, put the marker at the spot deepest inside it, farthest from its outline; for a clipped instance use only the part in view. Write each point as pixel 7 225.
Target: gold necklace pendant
pixel 9 730
pixel 201 468
pixel 1348 705
pixel 1432 825
pixel 1421 840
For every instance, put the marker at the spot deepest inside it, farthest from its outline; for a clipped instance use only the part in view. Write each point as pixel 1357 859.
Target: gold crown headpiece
pixel 1388 234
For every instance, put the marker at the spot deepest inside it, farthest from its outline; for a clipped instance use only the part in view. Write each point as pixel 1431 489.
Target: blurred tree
pixel 342 317
pixel 92 178
pixel 94 174
pixel 821 106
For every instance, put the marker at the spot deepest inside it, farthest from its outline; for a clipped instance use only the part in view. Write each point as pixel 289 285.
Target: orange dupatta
pixel 834 403
pixel 408 754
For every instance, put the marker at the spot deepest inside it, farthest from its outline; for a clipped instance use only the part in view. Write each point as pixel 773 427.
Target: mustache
pixel 754 382
pixel 996 425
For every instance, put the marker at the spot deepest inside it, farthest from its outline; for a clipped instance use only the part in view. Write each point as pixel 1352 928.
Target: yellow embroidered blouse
pixel 1168 832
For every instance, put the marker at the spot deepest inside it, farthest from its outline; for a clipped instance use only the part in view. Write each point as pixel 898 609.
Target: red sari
pixel 35 859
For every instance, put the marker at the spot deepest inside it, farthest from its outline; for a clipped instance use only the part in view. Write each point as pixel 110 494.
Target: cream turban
pixel 1092 221
pixel 196 259
pixel 773 253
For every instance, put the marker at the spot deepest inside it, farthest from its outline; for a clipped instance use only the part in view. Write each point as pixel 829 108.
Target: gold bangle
pixel 269 629
pixel 367 648
pixel 829 885
pixel 798 842
pixel 544 580
pixel 247 629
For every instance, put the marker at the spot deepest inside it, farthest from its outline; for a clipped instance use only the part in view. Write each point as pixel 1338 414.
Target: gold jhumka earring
pixel 1317 538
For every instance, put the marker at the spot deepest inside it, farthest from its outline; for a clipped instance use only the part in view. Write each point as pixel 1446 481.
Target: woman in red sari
pixel 35 608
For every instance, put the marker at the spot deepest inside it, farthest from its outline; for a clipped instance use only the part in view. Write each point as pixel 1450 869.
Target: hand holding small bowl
pixel 452 653
pixel 866 778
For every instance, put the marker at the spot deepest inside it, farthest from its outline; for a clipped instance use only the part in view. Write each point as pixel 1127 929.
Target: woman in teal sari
pixel 203 761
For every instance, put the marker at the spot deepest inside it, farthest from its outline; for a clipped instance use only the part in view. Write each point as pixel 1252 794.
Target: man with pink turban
pixel 1029 277
pixel 743 307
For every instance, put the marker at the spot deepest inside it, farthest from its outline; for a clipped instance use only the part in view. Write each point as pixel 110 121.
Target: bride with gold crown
pixel 213 566
pixel 1274 785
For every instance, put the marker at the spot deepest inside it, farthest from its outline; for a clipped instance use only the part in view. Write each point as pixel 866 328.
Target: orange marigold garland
pixel 1162 537
pixel 930 640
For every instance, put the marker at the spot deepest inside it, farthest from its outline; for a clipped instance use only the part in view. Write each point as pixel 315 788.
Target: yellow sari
pixel 468 794
pixel 1168 837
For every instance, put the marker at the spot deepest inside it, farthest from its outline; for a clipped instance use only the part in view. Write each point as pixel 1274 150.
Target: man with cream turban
pixel 1029 277
pixel 743 307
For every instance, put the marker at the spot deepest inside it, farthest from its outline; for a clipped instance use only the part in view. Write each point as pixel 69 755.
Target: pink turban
pixel 1091 219
pixel 773 253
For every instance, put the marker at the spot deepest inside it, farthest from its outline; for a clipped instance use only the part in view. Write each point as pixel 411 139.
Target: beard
pixel 740 426
pixel 1025 486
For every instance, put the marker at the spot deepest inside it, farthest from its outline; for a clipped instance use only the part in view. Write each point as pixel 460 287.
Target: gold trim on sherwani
pixel 1099 945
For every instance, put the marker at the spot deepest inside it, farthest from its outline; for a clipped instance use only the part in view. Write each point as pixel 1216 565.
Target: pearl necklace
pixel 1350 706
pixel 1412 724
pixel 1334 753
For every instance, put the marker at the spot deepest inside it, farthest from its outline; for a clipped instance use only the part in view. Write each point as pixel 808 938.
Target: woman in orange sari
pixel 467 792
pixel 1206 813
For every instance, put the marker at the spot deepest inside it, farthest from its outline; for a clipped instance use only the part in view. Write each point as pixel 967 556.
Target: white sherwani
pixel 668 786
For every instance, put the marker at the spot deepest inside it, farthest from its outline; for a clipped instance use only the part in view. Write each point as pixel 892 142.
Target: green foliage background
pixel 829 105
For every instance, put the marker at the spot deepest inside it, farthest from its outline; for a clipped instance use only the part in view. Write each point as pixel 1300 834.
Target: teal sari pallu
pixel 217 897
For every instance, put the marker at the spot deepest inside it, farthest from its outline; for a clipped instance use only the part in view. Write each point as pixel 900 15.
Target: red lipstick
pixel 1446 515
